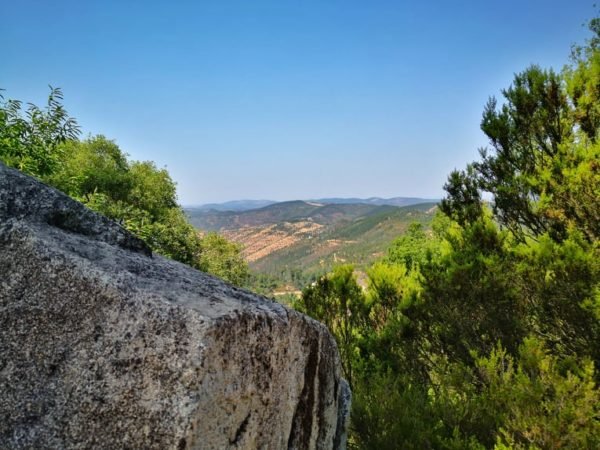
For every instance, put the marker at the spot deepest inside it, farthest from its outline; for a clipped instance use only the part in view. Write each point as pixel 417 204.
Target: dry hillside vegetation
pixel 261 241
pixel 294 243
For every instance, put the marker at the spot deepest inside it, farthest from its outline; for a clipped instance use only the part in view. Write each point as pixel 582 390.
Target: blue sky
pixel 285 99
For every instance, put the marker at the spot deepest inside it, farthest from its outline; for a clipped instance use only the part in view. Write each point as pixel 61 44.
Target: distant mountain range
pixel 294 211
pixel 394 201
pixel 245 205
pixel 234 205
pixel 297 240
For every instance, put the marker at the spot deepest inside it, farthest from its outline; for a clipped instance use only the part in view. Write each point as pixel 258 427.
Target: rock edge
pixel 104 345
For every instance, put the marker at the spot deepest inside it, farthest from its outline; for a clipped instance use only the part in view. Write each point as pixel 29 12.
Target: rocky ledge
pixel 104 345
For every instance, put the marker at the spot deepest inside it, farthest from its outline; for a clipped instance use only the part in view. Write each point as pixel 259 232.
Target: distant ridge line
pixel 246 205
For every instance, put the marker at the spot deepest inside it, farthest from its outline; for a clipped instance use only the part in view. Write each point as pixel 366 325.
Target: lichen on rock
pixel 104 345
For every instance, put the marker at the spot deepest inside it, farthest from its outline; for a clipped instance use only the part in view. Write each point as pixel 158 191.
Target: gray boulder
pixel 104 345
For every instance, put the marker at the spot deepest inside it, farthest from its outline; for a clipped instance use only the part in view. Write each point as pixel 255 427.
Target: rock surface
pixel 104 345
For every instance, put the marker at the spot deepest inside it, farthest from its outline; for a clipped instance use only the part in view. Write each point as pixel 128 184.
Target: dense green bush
pixel 484 333
pixel 142 197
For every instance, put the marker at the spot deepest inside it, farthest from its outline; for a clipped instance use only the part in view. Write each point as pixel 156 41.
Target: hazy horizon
pixel 305 199
pixel 285 100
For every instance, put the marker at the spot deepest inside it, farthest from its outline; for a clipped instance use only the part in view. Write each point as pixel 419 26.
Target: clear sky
pixel 285 99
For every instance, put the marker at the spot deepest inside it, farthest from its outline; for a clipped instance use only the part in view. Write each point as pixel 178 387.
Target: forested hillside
pixel 297 210
pixel 485 334
pixel 360 241
pixel 290 244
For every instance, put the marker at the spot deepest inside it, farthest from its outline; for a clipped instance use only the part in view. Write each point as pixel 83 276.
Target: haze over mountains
pixel 234 205
pixel 292 211
pixel 244 205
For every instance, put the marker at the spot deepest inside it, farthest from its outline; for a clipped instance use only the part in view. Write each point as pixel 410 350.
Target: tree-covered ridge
pixel 484 333
pixel 44 142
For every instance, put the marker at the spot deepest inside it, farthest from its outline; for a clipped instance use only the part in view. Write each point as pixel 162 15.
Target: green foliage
pixel 152 189
pixel 391 412
pixel 96 165
pixel 95 171
pixel 386 289
pixel 558 282
pixel 262 284
pixel 542 168
pixel 571 188
pixel 393 294
pixel 411 248
pixel 143 198
pixel 582 78
pixel 463 202
pixel 544 402
pixel 30 140
pixel 172 236
pixel 484 333
pixel 222 258
pixel 471 301
pixel 338 301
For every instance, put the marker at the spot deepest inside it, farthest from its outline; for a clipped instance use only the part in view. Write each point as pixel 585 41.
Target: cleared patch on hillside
pixel 295 242
pixel 261 241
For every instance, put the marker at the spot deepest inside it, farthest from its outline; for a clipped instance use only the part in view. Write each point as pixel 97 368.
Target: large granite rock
pixel 104 345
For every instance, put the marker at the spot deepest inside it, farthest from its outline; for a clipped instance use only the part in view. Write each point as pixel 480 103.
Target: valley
pixel 289 244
